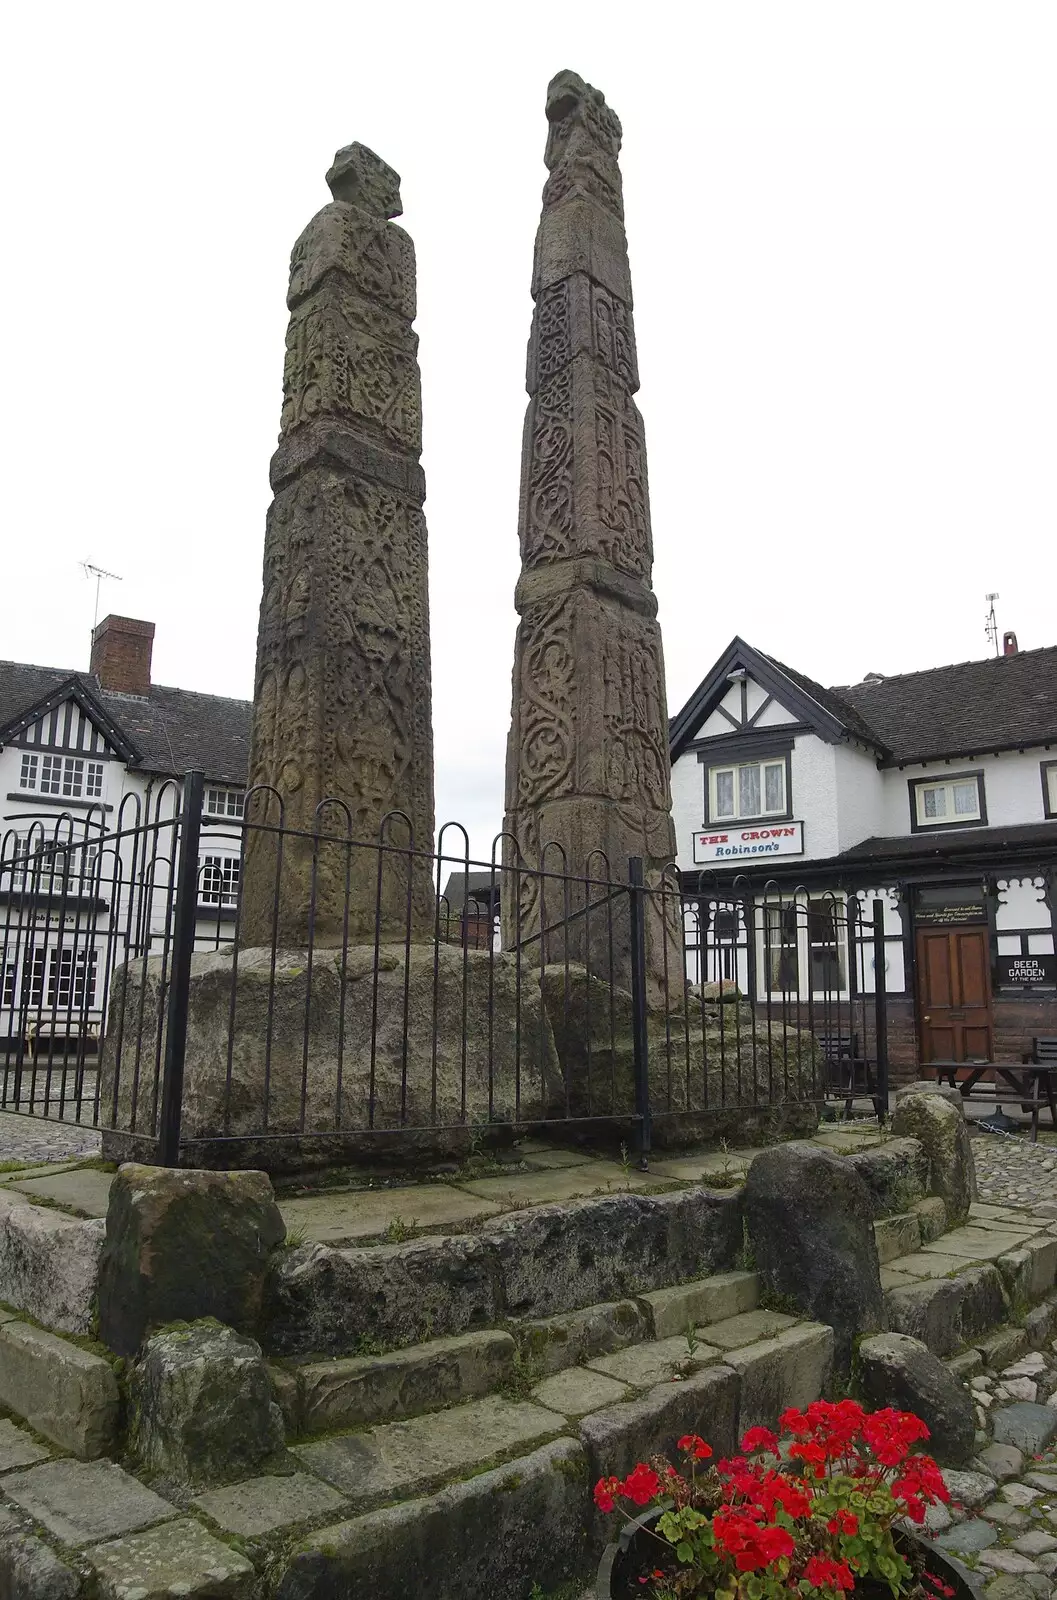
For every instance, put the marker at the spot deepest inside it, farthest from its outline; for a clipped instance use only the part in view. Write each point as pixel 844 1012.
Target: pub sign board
pixel 744 842
pixel 1027 971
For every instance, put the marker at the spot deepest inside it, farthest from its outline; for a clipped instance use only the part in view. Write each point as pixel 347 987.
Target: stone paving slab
pixel 542 1160
pixel 708 1300
pixel 179 1559
pixel 706 1164
pixel 564 1183
pixel 578 1390
pixel 356 1391
pixel 404 1459
pixel 259 1506
pixel 336 1216
pixel 656 1361
pixel 745 1329
pixel 37 1170
pixel 977 1244
pixel 931 1263
pixel 82 1501
pixel 85 1190
pixel 19 1448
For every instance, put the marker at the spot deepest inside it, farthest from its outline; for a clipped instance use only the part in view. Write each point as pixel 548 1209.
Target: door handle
pixel 926 1019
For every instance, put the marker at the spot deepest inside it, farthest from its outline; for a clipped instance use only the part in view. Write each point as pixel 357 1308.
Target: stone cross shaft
pixel 342 733
pixel 587 760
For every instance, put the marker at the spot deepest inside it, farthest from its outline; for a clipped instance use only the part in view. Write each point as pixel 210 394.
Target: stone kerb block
pixel 896 1174
pixel 509 1049
pixel 810 1221
pixel 181 1245
pixel 898 1371
pixel 202 1409
pixel 49 1264
pixel 1028 1273
pixel 946 1091
pixel 66 1393
pixel 29 1569
pixel 942 1132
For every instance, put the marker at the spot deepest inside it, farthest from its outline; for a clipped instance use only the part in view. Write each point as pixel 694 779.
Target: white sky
pixel 844 249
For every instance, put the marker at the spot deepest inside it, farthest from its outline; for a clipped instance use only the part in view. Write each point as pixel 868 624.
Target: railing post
pixel 183 943
pixel 640 1034
pixel 880 1009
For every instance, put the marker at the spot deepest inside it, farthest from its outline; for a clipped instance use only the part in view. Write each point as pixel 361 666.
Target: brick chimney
pixel 1009 644
pixel 121 652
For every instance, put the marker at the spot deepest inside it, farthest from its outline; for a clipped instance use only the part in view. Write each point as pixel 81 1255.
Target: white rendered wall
pixel 1012 788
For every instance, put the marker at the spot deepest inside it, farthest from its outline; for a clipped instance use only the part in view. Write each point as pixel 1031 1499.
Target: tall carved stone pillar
pixel 342 693
pixel 587 760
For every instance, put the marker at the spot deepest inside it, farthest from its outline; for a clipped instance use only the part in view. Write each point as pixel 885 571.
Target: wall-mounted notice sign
pixel 738 844
pixel 1021 970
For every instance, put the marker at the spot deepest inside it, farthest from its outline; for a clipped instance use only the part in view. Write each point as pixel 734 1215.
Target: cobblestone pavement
pixel 35 1140
pixel 1010 1170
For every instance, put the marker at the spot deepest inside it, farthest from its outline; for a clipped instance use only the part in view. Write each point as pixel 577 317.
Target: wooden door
pixel 954 994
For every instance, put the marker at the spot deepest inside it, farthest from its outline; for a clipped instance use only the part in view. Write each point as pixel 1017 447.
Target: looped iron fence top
pixel 620 998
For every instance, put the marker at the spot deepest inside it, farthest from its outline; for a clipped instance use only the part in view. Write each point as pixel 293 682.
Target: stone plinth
pixel 448 1040
pixel 341 732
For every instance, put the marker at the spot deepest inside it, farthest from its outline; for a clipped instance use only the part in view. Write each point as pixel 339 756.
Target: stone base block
pixel 179 1559
pixel 895 1174
pixel 30 1569
pixel 49 1264
pixel 691 1305
pixel 67 1394
pixel 364 1390
pixel 479 1537
pixel 450 1040
pixel 575 1337
pixel 792 1369
pixel 898 1236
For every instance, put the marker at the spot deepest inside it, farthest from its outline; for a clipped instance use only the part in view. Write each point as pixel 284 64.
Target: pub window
pixel 1049 788
pixel 947 802
pixel 70 777
pixel 747 789
pixel 27 778
pixel 805 948
pixel 220 881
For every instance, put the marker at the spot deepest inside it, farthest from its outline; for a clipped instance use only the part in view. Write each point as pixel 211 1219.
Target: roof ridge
pixel 947 666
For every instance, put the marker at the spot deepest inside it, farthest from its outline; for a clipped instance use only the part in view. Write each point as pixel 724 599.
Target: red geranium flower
pixel 641 1484
pixel 844 1522
pixel 826 1574
pixel 692 1444
pixel 759 1439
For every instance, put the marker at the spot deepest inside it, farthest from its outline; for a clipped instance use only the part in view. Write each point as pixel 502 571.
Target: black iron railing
pixel 138 995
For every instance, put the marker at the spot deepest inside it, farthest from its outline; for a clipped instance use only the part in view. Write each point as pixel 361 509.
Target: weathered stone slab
pixel 181 1245
pixel 983 1304
pixel 1028 1426
pixel 898 1371
pixel 1002 1461
pixel 1002 1346
pixel 706 1164
pixel 941 1130
pixel 968 1537
pixel 18 1448
pixel 1040 1324
pixel 409 1458
pixel 810 1220
pixel 707 1404
pixel 202 1407
pixel 969 1489
pixel 178 1559
pixel 929 1311
pixel 932 1217
pixel 358 1391
pixel 578 1390
pixel 1028 1272
pixel 976 1244
pixel 965 1365
pixel 322 1301
pixel 691 1305
pixel 558 1184
pixel 932 1264
pixel 895 1174
pixel 791 1369
pixel 897 1236
pixel 85 1190
pixel 574 1337
pixel 49 1264
pixel 656 1361
pixel 81 1502
pixel 490 1531
pixel 561 1258
pixel 30 1569
pixel 64 1392
pixel 745 1329
pixel 261 1506
pixel 336 1218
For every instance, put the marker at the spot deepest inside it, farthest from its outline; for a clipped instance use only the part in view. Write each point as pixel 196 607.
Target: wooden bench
pixel 1029 1084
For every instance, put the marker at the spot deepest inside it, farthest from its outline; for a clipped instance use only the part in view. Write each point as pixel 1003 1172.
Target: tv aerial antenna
pixel 98 574
pixel 991 624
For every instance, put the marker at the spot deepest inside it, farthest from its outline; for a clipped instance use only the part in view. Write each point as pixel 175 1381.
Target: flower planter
pixel 635 1553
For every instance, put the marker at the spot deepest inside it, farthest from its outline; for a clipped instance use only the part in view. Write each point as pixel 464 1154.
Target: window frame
pixel 916 785
pixel 229 868
pixel 30 765
pixel 802 945
pixel 729 763
pixel 1048 773
pixel 229 793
